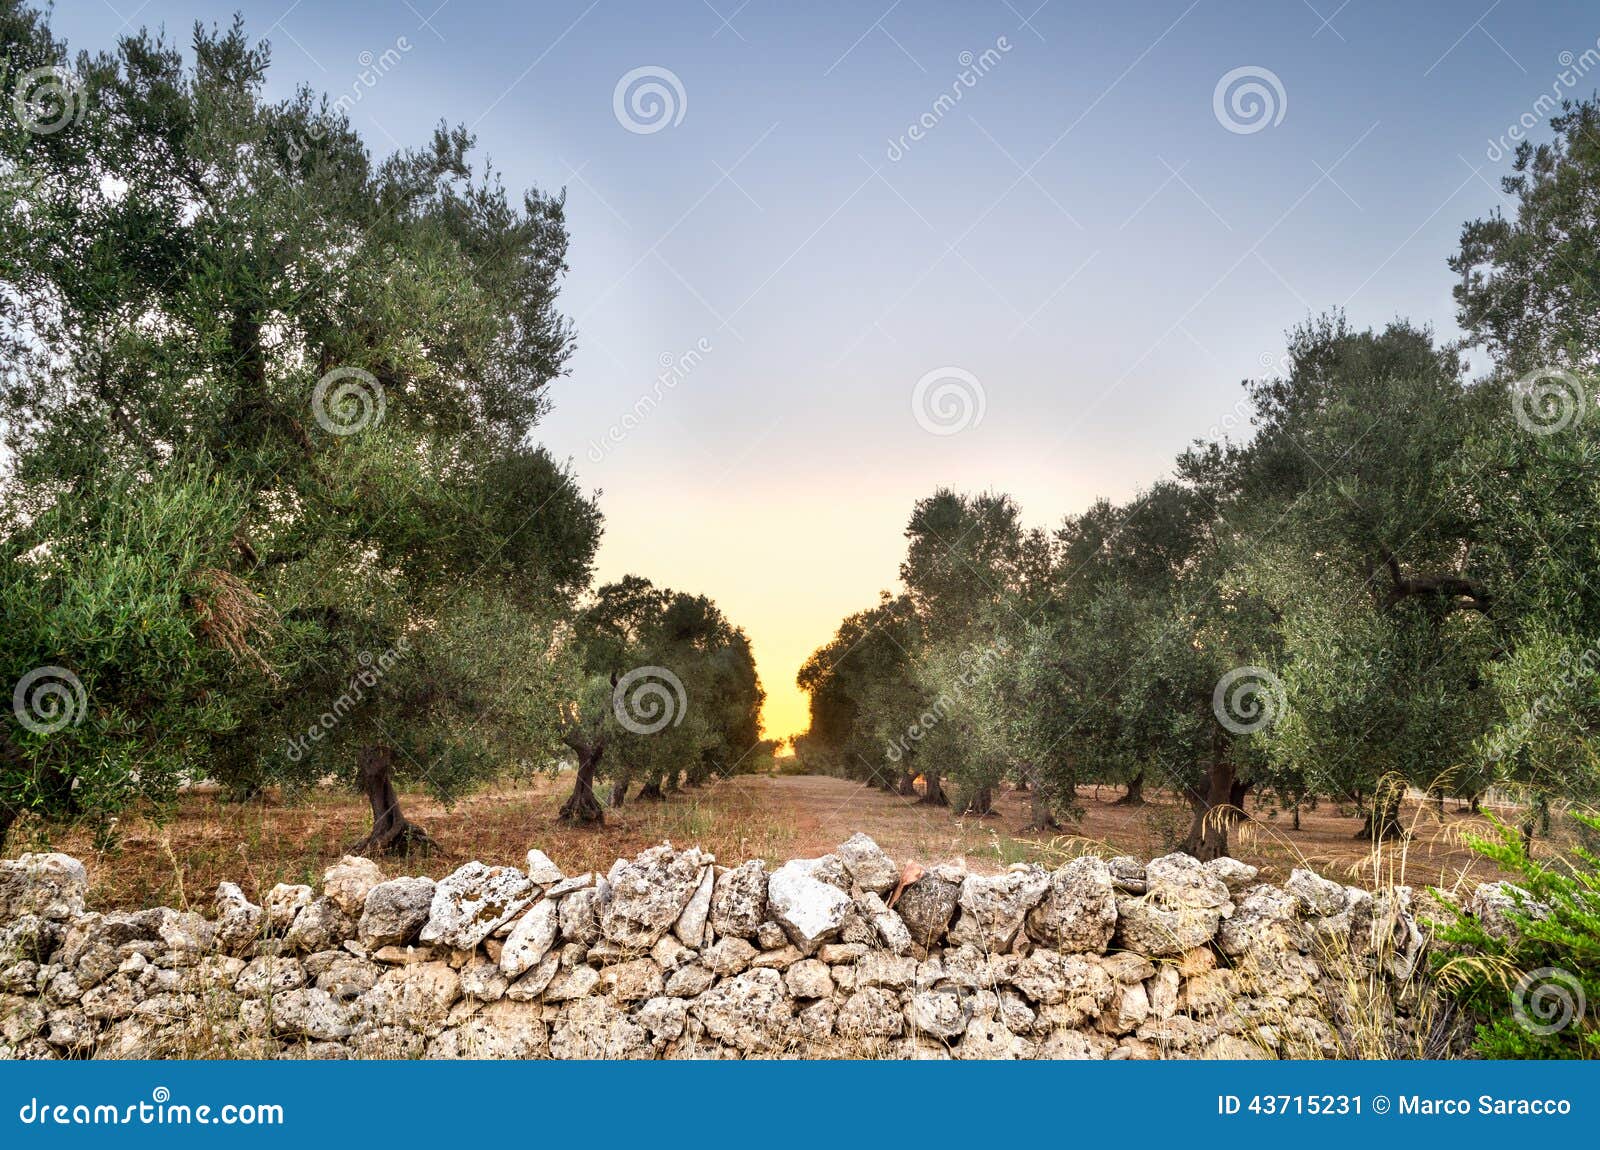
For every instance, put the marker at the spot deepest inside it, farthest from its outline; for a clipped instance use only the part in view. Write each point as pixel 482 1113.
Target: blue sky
pixel 1081 240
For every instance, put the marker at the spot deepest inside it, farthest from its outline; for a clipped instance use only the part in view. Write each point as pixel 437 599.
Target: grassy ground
pixel 180 860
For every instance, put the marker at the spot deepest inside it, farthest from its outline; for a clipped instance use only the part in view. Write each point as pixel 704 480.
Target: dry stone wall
pixel 671 955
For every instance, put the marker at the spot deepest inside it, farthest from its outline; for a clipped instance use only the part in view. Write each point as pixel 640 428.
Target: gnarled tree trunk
pixel 932 792
pixel 1383 820
pixel 392 833
pixel 1208 831
pixel 581 806
pixel 619 792
pixel 980 802
pixel 1040 815
pixel 652 792
pixel 1134 797
pixel 908 783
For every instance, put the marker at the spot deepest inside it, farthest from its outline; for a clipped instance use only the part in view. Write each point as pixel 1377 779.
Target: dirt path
pixel 775 817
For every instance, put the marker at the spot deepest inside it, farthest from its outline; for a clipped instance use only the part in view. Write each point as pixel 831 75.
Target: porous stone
pixel 542 870
pixel 348 882
pixel 993 907
pixel 395 912
pixel 1079 910
pixel 867 864
pixel 649 893
pixel 739 900
pixel 470 902
pixel 530 939
pixel 810 910
pixel 926 907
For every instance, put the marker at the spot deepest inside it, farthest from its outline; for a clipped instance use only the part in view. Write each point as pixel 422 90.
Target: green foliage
pixel 1536 985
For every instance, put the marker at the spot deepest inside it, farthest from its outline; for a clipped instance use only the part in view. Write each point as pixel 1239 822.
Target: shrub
pixel 1534 980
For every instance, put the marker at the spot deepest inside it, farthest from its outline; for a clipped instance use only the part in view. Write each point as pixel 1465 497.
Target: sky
pixel 811 285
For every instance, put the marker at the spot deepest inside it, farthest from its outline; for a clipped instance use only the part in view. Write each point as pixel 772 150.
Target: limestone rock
pixel 320 925
pixel 1079 910
pixel 993 907
pixel 739 900
pixel 593 1028
pixel 865 861
pixel 580 915
pixel 926 907
pixel 51 886
pixel 1317 895
pixel 941 1014
pixel 728 956
pixel 749 1012
pixel 690 927
pixel 240 922
pixel 870 1013
pixel 531 938
pixel 649 893
pixel 809 909
pixel 349 881
pixel 541 870
pixel 283 902
pixel 472 901
pixel 808 978
pixel 1235 875
pixel 1494 903
pixel 395 912
pixel 632 981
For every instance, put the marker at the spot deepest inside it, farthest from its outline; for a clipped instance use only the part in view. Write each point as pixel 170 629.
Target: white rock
pixel 541 870
pixel 531 938
pixel 809 910
pixel 472 901
pixel 691 924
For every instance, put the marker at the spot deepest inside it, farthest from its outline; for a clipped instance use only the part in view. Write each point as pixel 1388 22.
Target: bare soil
pixel 178 860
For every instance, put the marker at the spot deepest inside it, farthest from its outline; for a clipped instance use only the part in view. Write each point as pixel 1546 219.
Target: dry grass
pixel 206 840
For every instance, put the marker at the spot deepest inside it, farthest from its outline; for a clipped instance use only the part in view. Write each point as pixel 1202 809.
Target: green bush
pixel 1536 986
